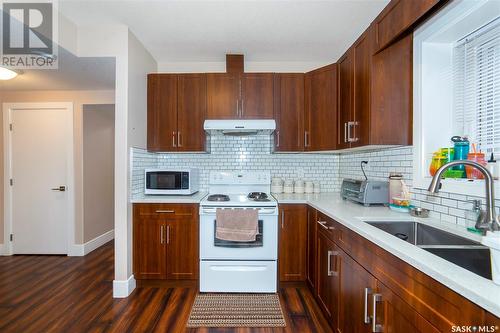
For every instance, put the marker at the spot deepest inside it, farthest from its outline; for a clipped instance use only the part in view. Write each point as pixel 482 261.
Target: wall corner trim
pixel 123 288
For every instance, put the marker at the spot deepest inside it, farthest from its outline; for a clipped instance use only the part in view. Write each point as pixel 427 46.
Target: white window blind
pixel 476 87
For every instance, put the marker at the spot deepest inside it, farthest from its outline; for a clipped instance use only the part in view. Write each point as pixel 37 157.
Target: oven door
pixel 265 247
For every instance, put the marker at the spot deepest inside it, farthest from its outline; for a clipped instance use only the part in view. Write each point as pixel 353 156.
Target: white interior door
pixel 39 169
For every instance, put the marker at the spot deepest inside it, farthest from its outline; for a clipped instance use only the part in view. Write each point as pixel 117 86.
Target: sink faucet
pixel 488 220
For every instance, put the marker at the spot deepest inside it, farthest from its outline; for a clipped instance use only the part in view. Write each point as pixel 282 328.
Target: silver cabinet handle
pixel 162 234
pixel 165 211
pixel 345 132
pixel 376 327
pixel 168 234
pixel 332 272
pixel 179 139
pixel 306 139
pixel 368 291
pixel 237 108
pixel 282 220
pixel 323 224
pixel 61 188
pixel 349 124
pixel 355 138
pixel 173 139
pixel 277 138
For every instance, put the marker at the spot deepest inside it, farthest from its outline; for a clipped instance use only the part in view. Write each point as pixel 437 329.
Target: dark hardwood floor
pixel 74 294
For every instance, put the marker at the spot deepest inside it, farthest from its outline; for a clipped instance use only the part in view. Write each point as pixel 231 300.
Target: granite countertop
pixel 477 289
pixel 193 198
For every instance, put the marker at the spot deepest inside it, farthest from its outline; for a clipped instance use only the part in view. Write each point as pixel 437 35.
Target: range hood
pixel 240 127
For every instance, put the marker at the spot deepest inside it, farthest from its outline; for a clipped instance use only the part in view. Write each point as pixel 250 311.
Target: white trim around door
pixel 72 248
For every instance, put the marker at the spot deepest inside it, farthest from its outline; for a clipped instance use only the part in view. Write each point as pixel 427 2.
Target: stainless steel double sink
pixel 459 250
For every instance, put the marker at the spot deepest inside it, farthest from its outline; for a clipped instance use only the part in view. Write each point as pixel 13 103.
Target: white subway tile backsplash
pixel 254 153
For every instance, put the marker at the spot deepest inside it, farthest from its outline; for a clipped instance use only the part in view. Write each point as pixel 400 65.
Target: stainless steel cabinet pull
pixel 168 234
pixel 277 138
pixel 60 188
pixel 173 139
pixel 368 291
pixel 165 211
pixel 162 234
pixel 345 132
pixel 354 124
pixel 323 224
pixel 306 139
pixel 283 220
pixel 376 327
pixel 179 139
pixel 237 108
pixel 332 272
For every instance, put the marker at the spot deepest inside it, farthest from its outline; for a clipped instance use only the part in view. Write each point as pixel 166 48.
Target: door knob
pixel 60 188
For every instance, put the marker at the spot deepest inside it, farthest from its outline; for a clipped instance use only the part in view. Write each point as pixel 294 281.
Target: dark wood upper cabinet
pixel 292 242
pixel 391 94
pixel 162 112
pixel 320 126
pixel 176 111
pixel 397 17
pixel 361 70
pixel 223 95
pixel 191 112
pixel 257 94
pixel 345 109
pixel 289 112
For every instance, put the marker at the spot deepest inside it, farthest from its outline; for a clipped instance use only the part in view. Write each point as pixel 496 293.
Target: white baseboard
pixel 4 250
pixel 78 250
pixel 123 288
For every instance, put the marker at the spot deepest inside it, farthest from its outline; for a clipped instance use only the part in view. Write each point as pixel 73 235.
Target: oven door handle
pixel 229 268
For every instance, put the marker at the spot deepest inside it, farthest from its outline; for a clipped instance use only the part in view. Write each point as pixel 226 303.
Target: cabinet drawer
pixel 161 211
pixel 327 226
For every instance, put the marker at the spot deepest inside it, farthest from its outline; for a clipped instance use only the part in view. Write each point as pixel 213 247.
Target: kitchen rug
pixel 236 310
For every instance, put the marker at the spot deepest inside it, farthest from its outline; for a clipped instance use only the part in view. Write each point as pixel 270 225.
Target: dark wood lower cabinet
pixel 362 288
pixel 328 277
pixel 166 241
pixel 292 256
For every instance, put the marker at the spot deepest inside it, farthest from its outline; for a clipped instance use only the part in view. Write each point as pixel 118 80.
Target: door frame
pixel 7 155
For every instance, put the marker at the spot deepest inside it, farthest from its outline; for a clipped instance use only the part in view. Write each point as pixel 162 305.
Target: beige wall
pixel 79 98
pixel 98 170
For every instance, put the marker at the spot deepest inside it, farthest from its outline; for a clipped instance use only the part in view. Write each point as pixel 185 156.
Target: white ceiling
pixel 74 73
pixel 204 31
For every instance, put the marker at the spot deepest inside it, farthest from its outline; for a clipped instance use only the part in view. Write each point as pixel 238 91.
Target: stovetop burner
pixel 258 196
pixel 218 197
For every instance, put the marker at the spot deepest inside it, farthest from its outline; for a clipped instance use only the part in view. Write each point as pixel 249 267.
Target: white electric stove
pixel 246 267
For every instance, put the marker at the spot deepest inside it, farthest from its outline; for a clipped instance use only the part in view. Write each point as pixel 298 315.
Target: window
pixel 476 87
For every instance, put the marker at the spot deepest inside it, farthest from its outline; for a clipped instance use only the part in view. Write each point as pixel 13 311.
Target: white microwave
pixel 171 181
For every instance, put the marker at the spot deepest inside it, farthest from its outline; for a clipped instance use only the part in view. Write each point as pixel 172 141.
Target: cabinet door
pixel 149 248
pixel 257 101
pixel 162 112
pixel 322 113
pixel 361 56
pixel 191 112
pixel 328 277
pixel 182 248
pixel 312 247
pixel 393 315
pixel 289 112
pixel 345 99
pixel 356 289
pixel 391 95
pixel 223 95
pixel 292 242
